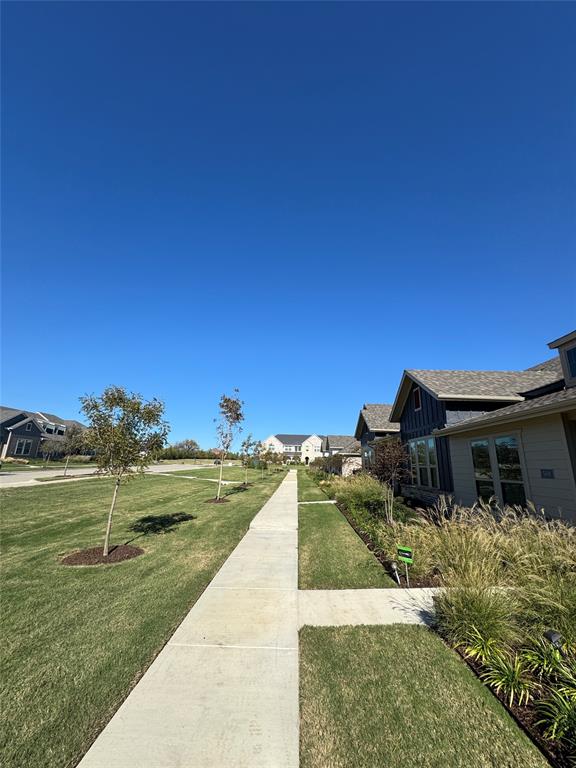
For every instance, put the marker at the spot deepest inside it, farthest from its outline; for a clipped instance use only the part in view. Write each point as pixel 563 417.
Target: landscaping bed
pixel 511 579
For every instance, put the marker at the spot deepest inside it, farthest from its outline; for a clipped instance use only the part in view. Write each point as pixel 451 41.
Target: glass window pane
pixel 424 476
pixel 434 477
pixel 484 489
pixel 432 452
pixel 421 452
pixel 481 459
pixel 571 358
pixel 508 458
pixel 513 493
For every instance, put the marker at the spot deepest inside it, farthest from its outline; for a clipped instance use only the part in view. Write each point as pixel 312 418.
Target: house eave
pixel 544 410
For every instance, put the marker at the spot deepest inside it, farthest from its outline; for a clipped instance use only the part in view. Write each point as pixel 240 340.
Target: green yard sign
pixel 405 555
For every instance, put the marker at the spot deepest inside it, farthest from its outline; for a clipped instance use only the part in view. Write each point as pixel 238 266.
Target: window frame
pixel 26 443
pixel 29 427
pixel 428 467
pixel 419 391
pixel 497 479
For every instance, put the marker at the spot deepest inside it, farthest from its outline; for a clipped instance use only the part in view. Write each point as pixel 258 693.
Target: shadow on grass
pixel 154 524
pixel 236 489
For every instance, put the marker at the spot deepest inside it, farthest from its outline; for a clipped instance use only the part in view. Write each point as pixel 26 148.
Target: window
pixel 497 469
pixel 50 429
pixel 424 462
pixel 29 427
pixel 60 431
pixel 482 469
pixel 23 447
pixel 571 360
pixel 510 470
pixel 417 399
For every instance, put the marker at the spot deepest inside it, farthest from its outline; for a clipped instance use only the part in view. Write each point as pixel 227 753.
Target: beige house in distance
pixel 299 448
pixel 531 443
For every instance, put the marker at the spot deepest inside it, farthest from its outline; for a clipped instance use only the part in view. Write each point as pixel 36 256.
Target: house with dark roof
pixel 295 448
pixel 429 402
pixel 373 424
pixel 346 446
pixel 525 451
pixel 23 432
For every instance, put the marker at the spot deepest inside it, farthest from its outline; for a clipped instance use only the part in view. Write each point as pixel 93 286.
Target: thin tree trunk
pixel 66 467
pixel 109 526
pixel 246 475
pixel 220 478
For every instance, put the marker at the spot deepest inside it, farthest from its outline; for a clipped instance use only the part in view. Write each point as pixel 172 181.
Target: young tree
pixel 49 448
pixel 229 421
pixel 390 466
pixel 72 443
pixel 247 452
pixel 126 433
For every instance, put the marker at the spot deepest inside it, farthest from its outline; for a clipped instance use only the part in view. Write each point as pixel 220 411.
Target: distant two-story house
pixel 299 448
pixel 373 424
pixel 23 432
pixel 526 451
pixel 430 402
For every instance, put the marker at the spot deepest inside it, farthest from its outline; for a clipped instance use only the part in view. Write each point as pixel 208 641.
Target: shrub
pixel 508 675
pixel 14 460
pixel 360 492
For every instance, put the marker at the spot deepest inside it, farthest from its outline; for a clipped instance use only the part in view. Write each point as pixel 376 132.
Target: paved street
pixel 22 478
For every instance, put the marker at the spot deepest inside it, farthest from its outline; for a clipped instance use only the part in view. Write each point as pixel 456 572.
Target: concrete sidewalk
pixel 223 693
pixel 340 607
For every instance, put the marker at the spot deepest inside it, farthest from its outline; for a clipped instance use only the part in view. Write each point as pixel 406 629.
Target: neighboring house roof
pixel 344 443
pixel 9 413
pixel 471 385
pixel 292 439
pixel 568 337
pixel 376 416
pixel 564 400
pixel 6 414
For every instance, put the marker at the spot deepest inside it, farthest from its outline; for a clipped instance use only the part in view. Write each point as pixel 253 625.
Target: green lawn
pixel 308 490
pixel 397 697
pixel 74 640
pixel 331 555
pixel 235 474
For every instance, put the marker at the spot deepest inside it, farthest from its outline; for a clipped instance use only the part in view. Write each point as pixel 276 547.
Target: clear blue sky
pixel 300 200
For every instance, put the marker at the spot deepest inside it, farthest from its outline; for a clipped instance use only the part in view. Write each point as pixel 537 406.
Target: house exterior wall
pixel 311 449
pixel 421 423
pixel 544 445
pixel 10 441
pixel 273 444
pixel 351 464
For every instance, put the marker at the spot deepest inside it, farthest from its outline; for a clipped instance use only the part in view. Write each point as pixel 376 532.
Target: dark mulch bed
pixel 429 580
pixel 94 556
pixel 217 501
pixel 524 716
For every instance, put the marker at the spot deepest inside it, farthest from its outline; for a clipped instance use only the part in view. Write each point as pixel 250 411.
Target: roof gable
pixel 504 386
pixel 376 417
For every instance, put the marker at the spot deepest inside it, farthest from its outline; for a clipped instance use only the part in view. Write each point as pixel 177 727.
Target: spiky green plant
pixel 508 675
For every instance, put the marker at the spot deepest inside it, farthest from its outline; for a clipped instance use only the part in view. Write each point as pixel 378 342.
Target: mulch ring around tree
pixel 94 555
pixel 217 501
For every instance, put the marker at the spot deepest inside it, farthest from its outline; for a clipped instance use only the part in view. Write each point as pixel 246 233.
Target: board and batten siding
pixel 543 446
pixel 421 423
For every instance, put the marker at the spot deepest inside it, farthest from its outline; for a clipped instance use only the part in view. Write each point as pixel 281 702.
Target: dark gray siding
pixel 420 423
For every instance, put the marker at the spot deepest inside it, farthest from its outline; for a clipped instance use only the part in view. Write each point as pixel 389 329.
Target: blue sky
pixel 296 199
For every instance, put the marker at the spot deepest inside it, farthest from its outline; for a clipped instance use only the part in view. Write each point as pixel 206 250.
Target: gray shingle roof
pixel 344 443
pixel 555 401
pixel 292 439
pixel 9 413
pixel 552 365
pixel 376 416
pixel 479 385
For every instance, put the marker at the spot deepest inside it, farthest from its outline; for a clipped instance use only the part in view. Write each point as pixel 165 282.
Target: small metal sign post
pixel 405 556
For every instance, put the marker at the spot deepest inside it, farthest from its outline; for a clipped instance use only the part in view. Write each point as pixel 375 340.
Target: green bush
pixel 360 493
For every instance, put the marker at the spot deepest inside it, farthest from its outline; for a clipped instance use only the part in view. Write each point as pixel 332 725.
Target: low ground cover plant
pixel 510 606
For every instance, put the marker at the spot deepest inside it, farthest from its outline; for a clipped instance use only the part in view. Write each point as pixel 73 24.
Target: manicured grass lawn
pixel 236 474
pixel 308 490
pixel 9 467
pixel 331 555
pixel 74 640
pixel 394 697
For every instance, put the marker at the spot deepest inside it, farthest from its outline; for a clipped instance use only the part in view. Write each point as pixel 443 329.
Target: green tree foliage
pixel 228 426
pixel 126 433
